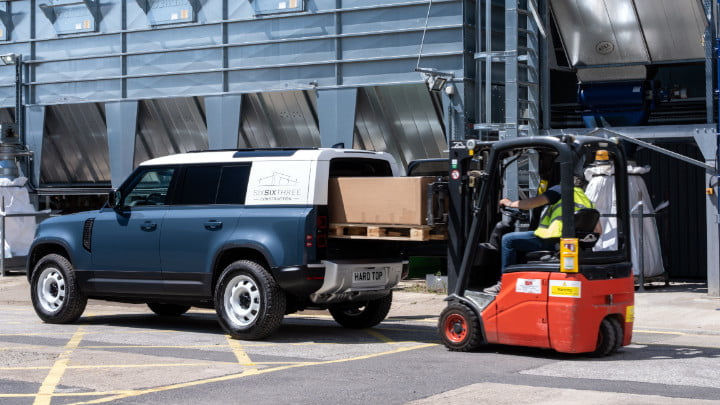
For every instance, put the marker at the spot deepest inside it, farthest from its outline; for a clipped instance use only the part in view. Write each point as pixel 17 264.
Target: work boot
pixel 493 290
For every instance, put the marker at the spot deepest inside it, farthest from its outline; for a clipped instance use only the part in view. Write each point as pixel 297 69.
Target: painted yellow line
pixel 242 357
pixel 660 332
pixel 48 386
pixel 149 365
pixel 150 347
pixel 248 373
pixel 70 394
pixel 379 335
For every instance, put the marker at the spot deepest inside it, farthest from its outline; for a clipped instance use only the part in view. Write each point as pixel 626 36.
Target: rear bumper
pixel 356 280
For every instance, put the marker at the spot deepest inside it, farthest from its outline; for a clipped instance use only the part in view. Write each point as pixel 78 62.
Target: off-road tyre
pixel 249 303
pixel 168 309
pixel 362 315
pixel 607 339
pixel 459 328
pixel 54 291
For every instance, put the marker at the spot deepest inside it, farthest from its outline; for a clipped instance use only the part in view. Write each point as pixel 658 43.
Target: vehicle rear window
pixel 358 167
pixel 233 185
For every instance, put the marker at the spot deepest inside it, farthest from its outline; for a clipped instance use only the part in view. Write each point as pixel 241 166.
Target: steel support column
pixel 223 120
pixel 121 118
pixel 336 116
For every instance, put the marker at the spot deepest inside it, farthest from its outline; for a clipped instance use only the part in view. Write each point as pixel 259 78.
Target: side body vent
pixel 87 234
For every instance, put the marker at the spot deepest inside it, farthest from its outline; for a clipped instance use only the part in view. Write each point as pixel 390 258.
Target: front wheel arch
pixel 43 249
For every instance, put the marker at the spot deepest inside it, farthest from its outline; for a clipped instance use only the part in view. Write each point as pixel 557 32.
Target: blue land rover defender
pixel 244 232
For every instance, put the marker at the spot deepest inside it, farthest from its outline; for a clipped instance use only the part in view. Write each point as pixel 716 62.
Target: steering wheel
pixel 514 213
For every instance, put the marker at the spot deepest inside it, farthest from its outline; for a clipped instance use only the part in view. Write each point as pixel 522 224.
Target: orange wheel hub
pixel 456 328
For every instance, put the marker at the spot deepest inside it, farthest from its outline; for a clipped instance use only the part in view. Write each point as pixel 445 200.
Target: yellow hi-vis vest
pixel 551 223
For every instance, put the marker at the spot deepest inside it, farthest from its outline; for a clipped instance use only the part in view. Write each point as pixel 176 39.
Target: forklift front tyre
pixel 459 328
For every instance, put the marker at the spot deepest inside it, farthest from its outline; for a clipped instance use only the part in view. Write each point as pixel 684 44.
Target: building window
pixel 161 12
pixel 72 16
pixel 278 6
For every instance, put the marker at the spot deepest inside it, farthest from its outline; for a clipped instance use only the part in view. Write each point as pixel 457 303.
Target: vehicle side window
pixel 203 185
pixel 199 185
pixel 151 188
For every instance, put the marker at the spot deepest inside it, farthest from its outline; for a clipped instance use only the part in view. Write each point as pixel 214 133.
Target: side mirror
pixel 114 198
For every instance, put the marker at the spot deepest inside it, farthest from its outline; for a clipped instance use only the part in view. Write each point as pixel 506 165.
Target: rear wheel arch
pixel 233 254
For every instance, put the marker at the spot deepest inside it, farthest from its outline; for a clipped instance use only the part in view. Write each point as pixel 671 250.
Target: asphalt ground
pixel 125 354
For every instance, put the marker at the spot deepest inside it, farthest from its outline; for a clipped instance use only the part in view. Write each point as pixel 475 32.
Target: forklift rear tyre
pixel 607 338
pixel 619 333
pixel 459 328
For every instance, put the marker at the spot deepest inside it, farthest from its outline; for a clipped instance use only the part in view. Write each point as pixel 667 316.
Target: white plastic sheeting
pixel 19 230
pixel 601 190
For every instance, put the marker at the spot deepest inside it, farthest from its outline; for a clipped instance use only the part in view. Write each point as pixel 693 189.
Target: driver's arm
pixel 526 204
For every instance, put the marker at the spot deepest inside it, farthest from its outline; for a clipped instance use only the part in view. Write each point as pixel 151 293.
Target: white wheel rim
pixel 242 300
pixel 51 290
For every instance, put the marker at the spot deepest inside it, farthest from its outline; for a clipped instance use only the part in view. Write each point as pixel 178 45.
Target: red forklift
pixel 573 299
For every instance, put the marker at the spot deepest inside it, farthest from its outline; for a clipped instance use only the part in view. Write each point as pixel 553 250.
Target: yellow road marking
pixel 58 369
pixel 242 357
pixel 379 335
pixel 95 366
pixel 70 394
pixel 248 373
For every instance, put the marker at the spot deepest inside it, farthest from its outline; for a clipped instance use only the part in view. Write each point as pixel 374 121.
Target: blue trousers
pixel 522 242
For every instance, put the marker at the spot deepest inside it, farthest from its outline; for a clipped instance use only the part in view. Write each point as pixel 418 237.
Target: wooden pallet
pixel 386 232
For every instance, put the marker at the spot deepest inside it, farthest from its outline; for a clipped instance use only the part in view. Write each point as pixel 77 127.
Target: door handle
pixel 148 226
pixel 213 225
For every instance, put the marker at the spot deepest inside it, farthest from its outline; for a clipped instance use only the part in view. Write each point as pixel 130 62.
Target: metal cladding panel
pixel 77 69
pixel 172 85
pixel 168 62
pixel 277 79
pixel 682 225
pixel 403 120
pixel 674 29
pixel 75 145
pixel 78 47
pixel 168 126
pixel 7 85
pixel 392 45
pixel 7 115
pixel 278 54
pixel 304 26
pixel 76 92
pixel 411 17
pixel 279 119
pixel 396 71
pixel 174 38
pixel 600 32
pixel 610 32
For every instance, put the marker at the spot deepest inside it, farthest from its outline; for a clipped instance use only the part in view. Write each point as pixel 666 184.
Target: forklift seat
pixel 585 221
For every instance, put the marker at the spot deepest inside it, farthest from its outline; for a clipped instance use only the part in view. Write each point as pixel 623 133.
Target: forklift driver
pixel 548 232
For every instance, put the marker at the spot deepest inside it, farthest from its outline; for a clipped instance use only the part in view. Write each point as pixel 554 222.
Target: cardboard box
pixel 378 200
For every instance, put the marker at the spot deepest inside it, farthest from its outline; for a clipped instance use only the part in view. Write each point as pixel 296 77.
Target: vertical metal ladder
pixel 519 61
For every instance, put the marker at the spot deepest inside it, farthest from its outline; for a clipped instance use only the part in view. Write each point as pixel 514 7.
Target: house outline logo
pixel 277 179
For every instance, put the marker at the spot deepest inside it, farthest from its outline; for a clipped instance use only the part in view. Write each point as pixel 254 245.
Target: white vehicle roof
pixel 250 155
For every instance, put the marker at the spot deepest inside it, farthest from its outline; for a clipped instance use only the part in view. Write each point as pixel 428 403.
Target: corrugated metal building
pixel 105 85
